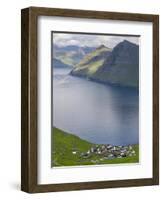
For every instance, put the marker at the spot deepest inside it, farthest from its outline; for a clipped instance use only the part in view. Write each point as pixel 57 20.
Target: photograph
pixel 95 99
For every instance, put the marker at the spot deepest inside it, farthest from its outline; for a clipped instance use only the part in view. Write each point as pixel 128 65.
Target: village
pixel 108 151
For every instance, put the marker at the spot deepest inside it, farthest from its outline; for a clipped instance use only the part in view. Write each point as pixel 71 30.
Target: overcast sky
pixel 64 39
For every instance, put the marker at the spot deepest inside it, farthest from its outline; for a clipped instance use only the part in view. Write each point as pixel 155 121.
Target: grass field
pixel 67 149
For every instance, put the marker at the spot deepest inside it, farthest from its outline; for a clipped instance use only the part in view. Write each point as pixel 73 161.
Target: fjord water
pixel 102 114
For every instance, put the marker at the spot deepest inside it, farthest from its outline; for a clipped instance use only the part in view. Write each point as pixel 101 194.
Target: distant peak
pixel 126 41
pixel 101 46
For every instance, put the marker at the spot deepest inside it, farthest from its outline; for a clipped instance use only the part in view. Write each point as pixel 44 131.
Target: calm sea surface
pixel 93 111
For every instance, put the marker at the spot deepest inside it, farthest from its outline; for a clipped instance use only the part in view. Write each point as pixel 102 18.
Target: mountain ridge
pixel 92 61
pixel 71 54
pixel 120 67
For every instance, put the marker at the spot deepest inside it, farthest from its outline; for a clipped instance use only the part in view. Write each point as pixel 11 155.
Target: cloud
pixel 65 39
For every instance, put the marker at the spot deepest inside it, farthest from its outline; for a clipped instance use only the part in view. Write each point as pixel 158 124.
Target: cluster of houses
pixel 109 151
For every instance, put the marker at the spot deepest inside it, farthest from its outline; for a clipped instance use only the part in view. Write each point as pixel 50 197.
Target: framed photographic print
pixel 90 100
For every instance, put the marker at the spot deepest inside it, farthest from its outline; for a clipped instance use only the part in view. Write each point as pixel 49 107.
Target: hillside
pixel 59 64
pixel 92 62
pixel 72 54
pixel 70 150
pixel 120 66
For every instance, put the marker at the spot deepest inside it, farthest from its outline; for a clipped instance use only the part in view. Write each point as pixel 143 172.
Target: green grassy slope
pixel 64 144
pixel 92 62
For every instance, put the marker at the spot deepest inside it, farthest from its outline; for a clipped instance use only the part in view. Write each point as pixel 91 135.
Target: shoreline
pixel 70 150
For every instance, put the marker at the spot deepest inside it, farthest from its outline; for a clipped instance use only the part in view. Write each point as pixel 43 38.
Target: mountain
pixel 71 54
pixel 92 62
pixel 86 49
pixel 59 64
pixel 120 67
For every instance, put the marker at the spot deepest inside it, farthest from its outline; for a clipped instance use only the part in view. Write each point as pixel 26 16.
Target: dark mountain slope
pixel 120 67
pixel 59 64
